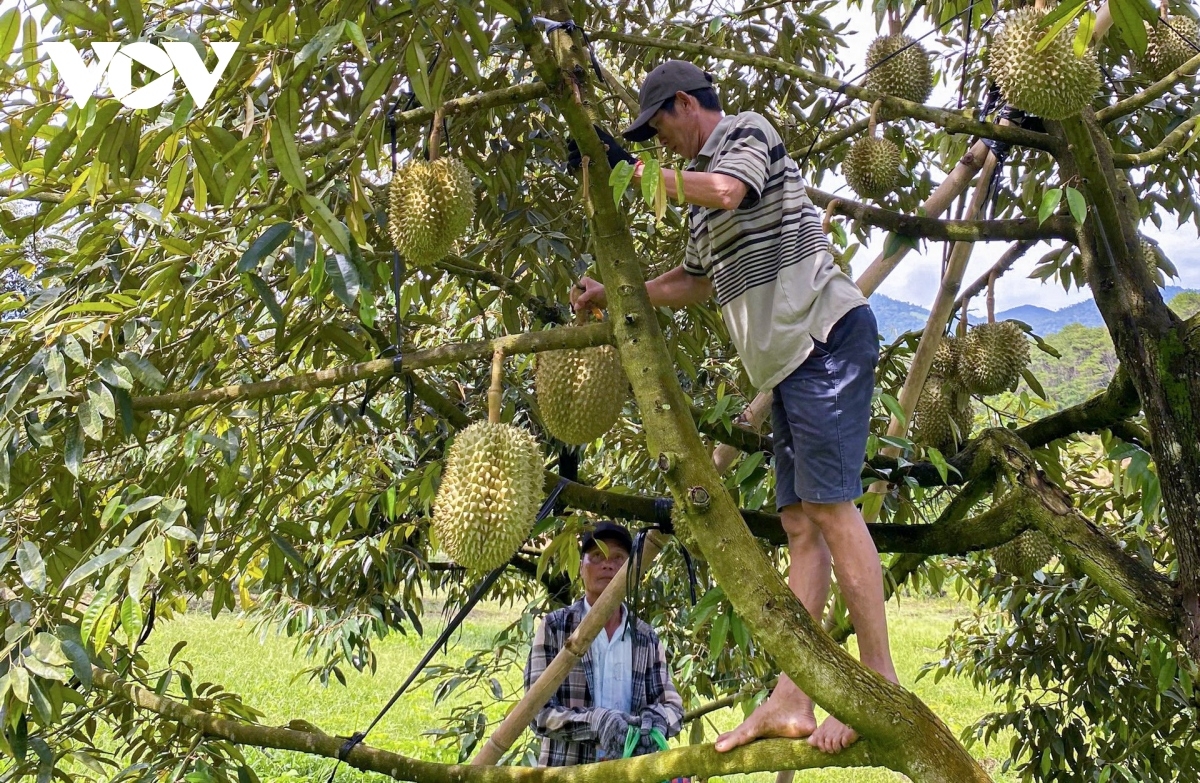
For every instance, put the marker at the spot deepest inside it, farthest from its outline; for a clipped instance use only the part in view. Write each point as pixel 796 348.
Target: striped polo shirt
pixel 768 260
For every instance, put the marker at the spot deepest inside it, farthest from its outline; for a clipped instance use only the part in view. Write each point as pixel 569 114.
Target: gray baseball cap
pixel 660 86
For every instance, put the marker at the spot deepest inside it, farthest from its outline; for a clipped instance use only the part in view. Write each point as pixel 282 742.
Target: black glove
pixel 616 153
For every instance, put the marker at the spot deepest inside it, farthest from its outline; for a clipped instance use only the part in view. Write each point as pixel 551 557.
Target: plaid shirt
pixel 566 723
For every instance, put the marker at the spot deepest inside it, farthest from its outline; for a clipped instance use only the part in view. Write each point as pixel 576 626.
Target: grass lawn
pixel 225 651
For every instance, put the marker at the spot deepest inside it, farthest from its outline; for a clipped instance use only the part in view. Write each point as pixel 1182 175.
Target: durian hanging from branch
pixel 1170 43
pixel 1038 69
pixel 993 356
pixel 491 489
pixel 872 165
pixel 430 204
pixel 580 391
pixel 899 66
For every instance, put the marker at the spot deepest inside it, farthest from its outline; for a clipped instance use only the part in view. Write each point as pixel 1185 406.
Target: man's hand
pixel 611 729
pixel 588 293
pixel 616 153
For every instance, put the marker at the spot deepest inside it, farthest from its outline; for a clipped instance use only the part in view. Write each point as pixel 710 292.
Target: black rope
pixel 443 638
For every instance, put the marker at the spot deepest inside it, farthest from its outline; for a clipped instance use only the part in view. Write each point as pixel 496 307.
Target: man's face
pixel 600 564
pixel 679 130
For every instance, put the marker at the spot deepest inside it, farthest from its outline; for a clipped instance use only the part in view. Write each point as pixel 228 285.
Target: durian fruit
pixel 945 361
pixel 1053 84
pixel 944 416
pixel 430 205
pixel 489 495
pixel 907 75
pixel 1166 50
pixel 1024 554
pixel 872 167
pixel 580 392
pixel 992 357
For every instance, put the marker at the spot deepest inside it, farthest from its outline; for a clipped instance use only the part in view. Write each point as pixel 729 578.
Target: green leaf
pixel 303 248
pixel 1129 17
pixel 32 567
pixel 47 649
pixel 1066 10
pixel 1077 205
pixel 503 7
pixel 143 370
pixel 355 33
pixel 1056 28
pixel 1083 36
pixel 289 552
pixel 266 244
pixel 416 68
pixel 939 462
pixel 20 382
pixel 326 225
pixel 619 180
pixel 1033 383
pixel 463 55
pixel 287 156
pixel 10 26
pixel 131 13
pixel 102 400
pixel 20 683
pixel 718 635
pixel 343 277
pixel 1050 201
pixel 56 370
pixel 95 564
pixel 893 406
pixel 100 601
pixel 651 173
pixel 131 619
pixel 115 375
pixel 268 296
pixel 80 663
pixel 73 448
pixel 89 420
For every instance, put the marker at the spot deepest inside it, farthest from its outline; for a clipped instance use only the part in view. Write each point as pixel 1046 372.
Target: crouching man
pixel 621 682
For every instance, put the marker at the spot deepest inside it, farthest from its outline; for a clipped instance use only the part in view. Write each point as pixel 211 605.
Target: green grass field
pixel 226 651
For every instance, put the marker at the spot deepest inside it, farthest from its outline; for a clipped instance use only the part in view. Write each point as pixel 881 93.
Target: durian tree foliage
pixel 202 394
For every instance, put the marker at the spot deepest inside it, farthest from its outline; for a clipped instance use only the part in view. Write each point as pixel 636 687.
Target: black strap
pixel 663 521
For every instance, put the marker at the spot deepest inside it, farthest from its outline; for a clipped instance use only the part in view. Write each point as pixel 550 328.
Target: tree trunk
pixel 1150 343
pixel 911 739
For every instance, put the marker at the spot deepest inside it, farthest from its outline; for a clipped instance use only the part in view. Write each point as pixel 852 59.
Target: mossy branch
pixel 693 760
pixel 452 353
pixel 951 121
pixel 1056 227
pixel 1150 94
pixel 1170 143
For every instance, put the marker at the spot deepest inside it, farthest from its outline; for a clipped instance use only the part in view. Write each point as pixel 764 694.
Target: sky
pixel 915 280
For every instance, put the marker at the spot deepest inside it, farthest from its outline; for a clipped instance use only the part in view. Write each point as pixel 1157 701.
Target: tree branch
pixel 452 353
pixel 1168 145
pixel 1056 227
pixel 955 123
pixel 1002 265
pixel 1150 94
pixel 692 760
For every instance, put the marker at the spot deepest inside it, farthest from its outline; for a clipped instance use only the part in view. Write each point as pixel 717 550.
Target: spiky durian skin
pixel 993 357
pixel 580 392
pixel 944 416
pixel 1165 49
pixel 872 167
pixel 430 205
pixel 907 75
pixel 1053 84
pixel 945 361
pixel 489 495
pixel 1024 554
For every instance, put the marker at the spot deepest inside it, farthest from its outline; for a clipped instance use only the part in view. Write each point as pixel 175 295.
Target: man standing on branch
pixel 802 328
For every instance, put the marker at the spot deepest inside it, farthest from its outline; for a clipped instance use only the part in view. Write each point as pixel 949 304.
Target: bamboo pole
pixel 939 316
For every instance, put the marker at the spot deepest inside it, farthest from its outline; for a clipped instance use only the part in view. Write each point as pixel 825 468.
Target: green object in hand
pixel 634 733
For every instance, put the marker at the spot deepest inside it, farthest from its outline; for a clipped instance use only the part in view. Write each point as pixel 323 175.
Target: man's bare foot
pixel 833 736
pixel 788 714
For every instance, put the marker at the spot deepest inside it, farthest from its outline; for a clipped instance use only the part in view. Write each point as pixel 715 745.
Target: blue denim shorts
pixel 822 415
